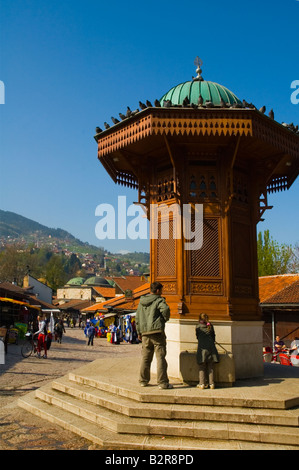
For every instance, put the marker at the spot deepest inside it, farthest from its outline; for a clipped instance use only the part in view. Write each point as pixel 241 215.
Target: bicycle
pixel 30 346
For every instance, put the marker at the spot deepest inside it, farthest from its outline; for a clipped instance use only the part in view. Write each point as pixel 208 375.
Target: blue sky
pixel 68 66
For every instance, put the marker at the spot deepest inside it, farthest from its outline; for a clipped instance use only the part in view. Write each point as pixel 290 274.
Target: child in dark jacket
pixel 207 353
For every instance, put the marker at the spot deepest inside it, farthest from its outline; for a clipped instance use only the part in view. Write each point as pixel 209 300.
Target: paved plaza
pixel 20 430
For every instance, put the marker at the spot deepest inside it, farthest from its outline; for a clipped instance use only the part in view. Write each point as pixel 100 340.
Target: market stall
pixel 114 326
pixel 17 316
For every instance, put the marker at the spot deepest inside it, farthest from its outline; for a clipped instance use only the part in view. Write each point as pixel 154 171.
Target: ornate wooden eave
pixel 189 123
pixel 172 121
pixel 227 160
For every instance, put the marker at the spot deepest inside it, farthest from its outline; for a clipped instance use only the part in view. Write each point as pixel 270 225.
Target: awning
pixel 49 310
pixel 18 302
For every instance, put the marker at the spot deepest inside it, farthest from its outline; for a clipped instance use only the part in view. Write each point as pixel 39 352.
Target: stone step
pixel 169 411
pixel 181 394
pixel 110 440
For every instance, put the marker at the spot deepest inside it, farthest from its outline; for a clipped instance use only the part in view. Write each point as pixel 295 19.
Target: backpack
pixel 58 328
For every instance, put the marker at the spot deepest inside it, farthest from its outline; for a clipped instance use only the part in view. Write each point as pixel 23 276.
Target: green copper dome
pixel 209 92
pixel 199 92
pixel 97 281
pixel 76 281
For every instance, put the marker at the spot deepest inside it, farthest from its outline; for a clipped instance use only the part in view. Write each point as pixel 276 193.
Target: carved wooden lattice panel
pixel 165 251
pixel 205 262
pixel 241 190
pixel 164 186
pixel 242 263
pixel 203 185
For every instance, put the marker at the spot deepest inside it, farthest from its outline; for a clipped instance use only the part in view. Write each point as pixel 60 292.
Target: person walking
pixel 207 353
pixel 42 337
pixel 59 330
pixel 151 316
pixel 90 333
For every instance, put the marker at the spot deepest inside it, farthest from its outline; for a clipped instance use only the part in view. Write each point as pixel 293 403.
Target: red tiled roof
pixel 280 289
pixel 76 304
pixel 21 293
pixel 128 282
pixel 36 301
pixel 121 301
pixel 9 287
pixel 107 292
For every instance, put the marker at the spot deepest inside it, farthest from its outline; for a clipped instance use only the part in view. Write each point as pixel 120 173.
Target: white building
pixel 38 288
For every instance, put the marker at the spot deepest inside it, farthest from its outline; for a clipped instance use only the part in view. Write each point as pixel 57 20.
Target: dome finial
pixel 198 63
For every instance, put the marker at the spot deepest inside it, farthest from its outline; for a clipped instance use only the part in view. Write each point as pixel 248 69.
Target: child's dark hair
pixel 203 318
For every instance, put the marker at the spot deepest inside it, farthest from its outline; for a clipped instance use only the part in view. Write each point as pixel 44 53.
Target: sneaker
pixel 212 386
pixel 143 384
pixel 202 386
pixel 165 386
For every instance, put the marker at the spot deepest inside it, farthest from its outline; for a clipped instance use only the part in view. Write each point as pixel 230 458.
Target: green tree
pixel 13 264
pixel 55 273
pixel 294 261
pixel 72 265
pixel 273 258
pixel 37 261
pixel 118 267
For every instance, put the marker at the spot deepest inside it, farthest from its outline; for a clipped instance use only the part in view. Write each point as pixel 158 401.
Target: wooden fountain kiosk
pixel 201 145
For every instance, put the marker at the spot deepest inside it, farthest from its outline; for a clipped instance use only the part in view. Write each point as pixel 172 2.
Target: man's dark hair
pixel 155 286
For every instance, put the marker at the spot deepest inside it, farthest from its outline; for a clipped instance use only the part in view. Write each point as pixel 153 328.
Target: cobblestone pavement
pixel 21 430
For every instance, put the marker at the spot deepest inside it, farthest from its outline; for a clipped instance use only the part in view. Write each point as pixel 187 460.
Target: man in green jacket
pixel 151 316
